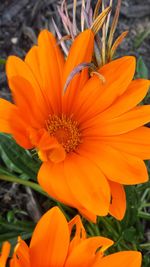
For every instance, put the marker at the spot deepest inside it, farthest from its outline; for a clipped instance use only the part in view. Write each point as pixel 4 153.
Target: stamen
pixel 65 130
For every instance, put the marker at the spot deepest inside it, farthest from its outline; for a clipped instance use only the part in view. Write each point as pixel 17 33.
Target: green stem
pixel 145 246
pixel 143 187
pixel 14 179
pixel 144 215
pixel 114 233
pixel 94 228
pixel 32 185
pixel 90 230
pixel 109 227
pixel 134 246
pixel 145 205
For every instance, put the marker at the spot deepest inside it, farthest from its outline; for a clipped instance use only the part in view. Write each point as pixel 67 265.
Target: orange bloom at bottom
pixel 52 245
pixel 5 253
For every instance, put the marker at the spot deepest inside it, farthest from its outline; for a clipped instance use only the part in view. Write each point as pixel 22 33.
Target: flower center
pixel 65 130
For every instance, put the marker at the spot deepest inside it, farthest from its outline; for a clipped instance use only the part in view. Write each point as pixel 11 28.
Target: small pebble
pixel 14 40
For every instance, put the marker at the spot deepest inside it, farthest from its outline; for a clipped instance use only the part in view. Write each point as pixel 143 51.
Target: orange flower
pixel 52 245
pixel 5 253
pixel 91 137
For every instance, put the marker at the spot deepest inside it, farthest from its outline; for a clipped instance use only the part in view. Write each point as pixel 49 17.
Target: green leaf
pixel 17 159
pixel 142 71
pixel 2 61
pixel 140 38
pixel 18 226
pixel 130 234
pixel 10 216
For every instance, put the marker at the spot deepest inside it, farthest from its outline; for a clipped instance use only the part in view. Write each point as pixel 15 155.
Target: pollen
pixel 65 130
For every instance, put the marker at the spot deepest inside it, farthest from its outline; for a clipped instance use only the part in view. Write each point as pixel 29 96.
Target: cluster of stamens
pixel 65 130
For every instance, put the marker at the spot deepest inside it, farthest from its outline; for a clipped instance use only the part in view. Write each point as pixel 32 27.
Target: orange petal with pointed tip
pixel 98 95
pixel 33 62
pixel 85 253
pixel 84 42
pixel 80 233
pixel 4 254
pixel 21 255
pixel 50 240
pixel 51 68
pixel 134 94
pixel 17 67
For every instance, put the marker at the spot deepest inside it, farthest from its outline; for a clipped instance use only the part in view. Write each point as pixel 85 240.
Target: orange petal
pixel 51 68
pixel 118 205
pixel 52 179
pixel 90 216
pixel 87 184
pixel 126 122
pixel 6 110
pixel 123 259
pixel 25 99
pixel 50 240
pixel 32 60
pixel 48 146
pixel 11 122
pixel 136 142
pixel 80 233
pixel 21 255
pixel 123 168
pixel 57 155
pixel 16 67
pixel 134 94
pixel 85 253
pixel 118 74
pixel 80 52
pixel 4 254
pixel 98 95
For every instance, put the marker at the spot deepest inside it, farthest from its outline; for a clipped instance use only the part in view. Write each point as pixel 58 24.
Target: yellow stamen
pixel 65 130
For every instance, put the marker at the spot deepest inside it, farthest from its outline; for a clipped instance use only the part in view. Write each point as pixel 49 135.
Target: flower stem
pixel 93 229
pixel 17 180
pixel 35 187
pixel 145 246
pixel 144 215
pixel 109 227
